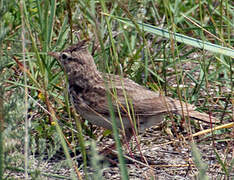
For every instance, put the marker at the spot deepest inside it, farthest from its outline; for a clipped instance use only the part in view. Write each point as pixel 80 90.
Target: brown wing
pixel 126 93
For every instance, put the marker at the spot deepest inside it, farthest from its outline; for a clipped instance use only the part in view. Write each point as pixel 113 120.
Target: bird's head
pixel 76 60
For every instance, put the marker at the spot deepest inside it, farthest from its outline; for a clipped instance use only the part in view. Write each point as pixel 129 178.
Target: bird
pixel 133 105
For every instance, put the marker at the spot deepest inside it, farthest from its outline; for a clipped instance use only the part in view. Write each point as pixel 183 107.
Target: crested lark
pixel 88 91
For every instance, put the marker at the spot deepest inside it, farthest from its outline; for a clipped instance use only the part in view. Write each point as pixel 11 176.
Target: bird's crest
pixel 77 47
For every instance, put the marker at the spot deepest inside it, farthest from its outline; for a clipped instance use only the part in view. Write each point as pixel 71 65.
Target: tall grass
pixel 179 70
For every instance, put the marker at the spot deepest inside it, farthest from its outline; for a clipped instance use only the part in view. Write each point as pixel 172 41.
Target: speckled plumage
pixel 88 92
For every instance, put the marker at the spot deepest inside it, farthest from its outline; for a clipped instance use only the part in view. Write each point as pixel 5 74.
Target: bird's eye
pixel 65 56
pixel 69 58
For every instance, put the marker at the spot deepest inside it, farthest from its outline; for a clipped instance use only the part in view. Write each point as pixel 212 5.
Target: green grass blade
pixel 179 37
pixel 62 35
pixel 201 166
pixel 223 165
pixel 51 22
pixel 122 164
pixel 1 135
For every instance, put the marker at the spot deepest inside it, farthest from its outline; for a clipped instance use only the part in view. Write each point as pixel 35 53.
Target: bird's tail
pixel 186 109
pixel 202 117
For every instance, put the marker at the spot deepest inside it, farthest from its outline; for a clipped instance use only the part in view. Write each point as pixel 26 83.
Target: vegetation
pixel 38 124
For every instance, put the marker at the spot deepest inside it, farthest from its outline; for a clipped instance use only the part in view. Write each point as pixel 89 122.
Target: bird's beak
pixel 54 54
